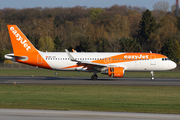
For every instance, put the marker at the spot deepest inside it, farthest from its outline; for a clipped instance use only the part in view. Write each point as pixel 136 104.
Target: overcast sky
pixel 71 3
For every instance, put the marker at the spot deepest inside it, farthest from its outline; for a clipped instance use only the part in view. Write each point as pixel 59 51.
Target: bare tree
pixel 161 7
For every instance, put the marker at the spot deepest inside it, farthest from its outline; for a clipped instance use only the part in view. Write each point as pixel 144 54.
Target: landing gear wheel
pixel 152 75
pixel 94 77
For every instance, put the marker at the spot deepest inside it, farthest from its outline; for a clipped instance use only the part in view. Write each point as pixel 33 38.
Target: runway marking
pixel 85 114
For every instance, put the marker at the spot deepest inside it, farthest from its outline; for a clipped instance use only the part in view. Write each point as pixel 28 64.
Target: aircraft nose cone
pixel 173 65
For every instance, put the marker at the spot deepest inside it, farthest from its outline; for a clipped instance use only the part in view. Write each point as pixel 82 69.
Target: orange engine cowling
pixel 116 71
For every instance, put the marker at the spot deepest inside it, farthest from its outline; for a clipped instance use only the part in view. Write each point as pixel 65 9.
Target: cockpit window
pixel 165 59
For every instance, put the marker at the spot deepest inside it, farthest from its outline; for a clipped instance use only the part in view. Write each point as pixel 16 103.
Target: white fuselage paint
pixel 60 60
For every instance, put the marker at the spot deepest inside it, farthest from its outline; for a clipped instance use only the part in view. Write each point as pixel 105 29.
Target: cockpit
pixel 165 59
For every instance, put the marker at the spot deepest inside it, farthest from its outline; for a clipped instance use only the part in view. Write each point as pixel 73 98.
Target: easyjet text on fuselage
pixel 136 56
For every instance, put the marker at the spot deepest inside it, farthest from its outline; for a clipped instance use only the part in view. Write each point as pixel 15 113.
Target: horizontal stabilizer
pixel 13 57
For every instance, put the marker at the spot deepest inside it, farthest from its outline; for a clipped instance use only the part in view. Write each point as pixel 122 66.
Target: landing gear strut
pixel 94 77
pixel 152 75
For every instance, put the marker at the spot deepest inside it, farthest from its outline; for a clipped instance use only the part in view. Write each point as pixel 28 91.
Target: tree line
pixel 113 29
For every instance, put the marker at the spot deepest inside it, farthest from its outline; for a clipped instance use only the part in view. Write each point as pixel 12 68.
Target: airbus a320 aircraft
pixel 112 64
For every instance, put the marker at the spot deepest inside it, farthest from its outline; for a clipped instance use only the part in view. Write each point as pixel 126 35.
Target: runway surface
pixel 88 81
pixel 24 114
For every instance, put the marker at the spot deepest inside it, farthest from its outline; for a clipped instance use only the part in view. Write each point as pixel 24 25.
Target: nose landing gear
pixel 152 75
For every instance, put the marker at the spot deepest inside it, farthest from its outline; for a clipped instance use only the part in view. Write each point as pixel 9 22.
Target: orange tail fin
pixel 24 51
pixel 19 41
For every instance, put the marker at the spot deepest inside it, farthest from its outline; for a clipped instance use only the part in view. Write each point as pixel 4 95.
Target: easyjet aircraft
pixel 112 64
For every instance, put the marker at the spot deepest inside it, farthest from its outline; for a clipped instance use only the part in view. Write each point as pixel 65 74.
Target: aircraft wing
pixel 97 64
pixel 87 64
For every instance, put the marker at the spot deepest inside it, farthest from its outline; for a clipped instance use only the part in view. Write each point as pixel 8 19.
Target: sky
pixel 19 4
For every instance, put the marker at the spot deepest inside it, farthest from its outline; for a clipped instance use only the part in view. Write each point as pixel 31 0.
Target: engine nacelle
pixel 114 71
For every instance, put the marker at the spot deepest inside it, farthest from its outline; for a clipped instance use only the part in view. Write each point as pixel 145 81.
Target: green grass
pixel 149 99
pixel 45 72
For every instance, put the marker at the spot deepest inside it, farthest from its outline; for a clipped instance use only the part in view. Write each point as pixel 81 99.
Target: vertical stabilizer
pixel 19 41
pixel 24 51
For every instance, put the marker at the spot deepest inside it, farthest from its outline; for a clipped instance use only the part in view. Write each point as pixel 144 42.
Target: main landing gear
pixel 152 75
pixel 94 77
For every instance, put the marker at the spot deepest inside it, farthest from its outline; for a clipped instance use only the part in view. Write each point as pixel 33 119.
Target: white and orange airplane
pixel 110 63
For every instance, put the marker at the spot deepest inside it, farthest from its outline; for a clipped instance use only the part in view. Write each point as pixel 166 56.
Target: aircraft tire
pixel 94 77
pixel 152 78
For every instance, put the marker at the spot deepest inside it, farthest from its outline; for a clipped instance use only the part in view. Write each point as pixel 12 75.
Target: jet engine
pixel 114 71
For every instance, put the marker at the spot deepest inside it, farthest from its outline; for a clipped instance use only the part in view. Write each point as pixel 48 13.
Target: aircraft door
pixel 39 59
pixel 153 60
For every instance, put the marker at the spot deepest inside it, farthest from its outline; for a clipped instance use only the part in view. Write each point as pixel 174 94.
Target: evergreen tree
pixel 167 49
pixel 85 45
pixel 178 24
pixel 177 51
pixel 147 25
pixel 129 45
pixel 77 48
pixel 50 15
pixel 70 48
pixel 33 40
pixel 57 43
pixel 103 45
pixel 2 53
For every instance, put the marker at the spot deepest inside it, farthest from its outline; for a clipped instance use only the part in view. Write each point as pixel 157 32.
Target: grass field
pixel 45 72
pixel 149 99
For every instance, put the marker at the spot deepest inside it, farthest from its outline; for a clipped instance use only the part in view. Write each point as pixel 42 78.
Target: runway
pixel 24 114
pixel 88 81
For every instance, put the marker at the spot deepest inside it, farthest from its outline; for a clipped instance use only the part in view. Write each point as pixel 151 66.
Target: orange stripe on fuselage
pixel 73 66
pixel 128 57
pixel 125 57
